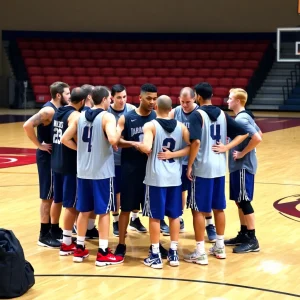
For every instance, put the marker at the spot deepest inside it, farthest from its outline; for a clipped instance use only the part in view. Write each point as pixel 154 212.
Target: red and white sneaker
pixel 67 249
pixel 107 258
pixel 80 253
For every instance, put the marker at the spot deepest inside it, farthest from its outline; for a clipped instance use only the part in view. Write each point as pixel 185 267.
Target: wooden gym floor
pixel 273 273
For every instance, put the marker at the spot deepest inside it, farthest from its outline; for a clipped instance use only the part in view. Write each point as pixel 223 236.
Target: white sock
pixel 116 218
pixel 220 241
pixel 174 245
pixel 80 240
pixel 103 244
pixel 67 237
pixel 209 221
pixel 91 224
pixel 155 248
pixel 134 215
pixel 181 218
pixel 200 247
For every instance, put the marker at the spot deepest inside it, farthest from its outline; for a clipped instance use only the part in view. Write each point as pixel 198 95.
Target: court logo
pixel 289 207
pixel 14 157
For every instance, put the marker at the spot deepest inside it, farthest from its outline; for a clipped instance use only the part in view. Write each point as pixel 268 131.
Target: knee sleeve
pixel 246 207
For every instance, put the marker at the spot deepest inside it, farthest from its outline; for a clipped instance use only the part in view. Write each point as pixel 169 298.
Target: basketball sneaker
pixel 154 261
pixel 173 258
pixel 164 228
pixel 57 234
pixel 48 241
pixel 218 252
pixel 181 226
pixel 67 249
pixel 105 258
pixel 116 228
pixel 92 233
pixel 211 233
pixel 137 225
pixel 251 245
pixel 120 250
pixel 163 251
pixel 196 258
pixel 239 239
pixel 80 253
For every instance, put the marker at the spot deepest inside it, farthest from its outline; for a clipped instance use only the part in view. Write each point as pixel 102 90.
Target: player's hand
pixel 46 147
pixel 115 147
pixel 237 155
pixel 219 148
pixel 189 173
pixel 166 154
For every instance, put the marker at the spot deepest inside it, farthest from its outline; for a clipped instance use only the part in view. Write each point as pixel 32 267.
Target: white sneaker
pixel 218 252
pixel 196 258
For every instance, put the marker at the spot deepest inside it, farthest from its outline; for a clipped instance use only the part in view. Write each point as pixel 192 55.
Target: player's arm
pixel 236 133
pixel 74 116
pixel 255 135
pixel 196 123
pixel 167 154
pixel 172 114
pixel 68 137
pixel 149 133
pixel 44 116
pixel 110 128
pixel 122 142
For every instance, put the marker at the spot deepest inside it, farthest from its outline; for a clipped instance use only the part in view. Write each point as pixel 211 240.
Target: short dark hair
pixel 88 89
pixel 148 88
pixel 204 89
pixel 57 88
pixel 98 93
pixel 117 88
pixel 78 94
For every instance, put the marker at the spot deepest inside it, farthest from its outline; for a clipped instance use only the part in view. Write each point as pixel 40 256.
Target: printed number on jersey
pixel 87 136
pixel 169 143
pixel 57 133
pixel 215 132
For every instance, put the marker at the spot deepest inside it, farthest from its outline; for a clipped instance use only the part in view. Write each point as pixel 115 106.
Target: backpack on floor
pixel 16 274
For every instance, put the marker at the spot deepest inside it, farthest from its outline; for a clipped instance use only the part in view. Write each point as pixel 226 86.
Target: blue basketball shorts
pixel 96 195
pixel 185 181
pixel 65 189
pixel 241 185
pixel 162 201
pixel 206 194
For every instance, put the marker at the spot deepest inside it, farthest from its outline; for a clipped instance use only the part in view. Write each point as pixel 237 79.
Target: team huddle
pixel 95 157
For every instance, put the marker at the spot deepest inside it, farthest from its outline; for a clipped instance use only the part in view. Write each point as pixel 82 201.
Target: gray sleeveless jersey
pixel 209 164
pixel 118 114
pixel 180 116
pixel 162 173
pixel 95 158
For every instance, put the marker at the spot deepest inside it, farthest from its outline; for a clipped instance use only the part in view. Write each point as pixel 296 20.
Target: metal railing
pixel 291 82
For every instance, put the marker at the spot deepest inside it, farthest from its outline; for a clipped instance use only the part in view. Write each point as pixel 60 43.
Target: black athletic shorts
pixel 43 161
pixel 132 188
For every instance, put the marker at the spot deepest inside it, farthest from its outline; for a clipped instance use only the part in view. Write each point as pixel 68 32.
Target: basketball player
pixel 88 101
pixel 242 168
pixel 182 113
pixel 211 126
pixel 63 163
pixel 49 234
pixel 118 108
pixel 96 133
pixel 133 163
pixel 163 178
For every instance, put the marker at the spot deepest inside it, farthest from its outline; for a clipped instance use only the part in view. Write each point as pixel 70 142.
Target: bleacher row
pixel 167 64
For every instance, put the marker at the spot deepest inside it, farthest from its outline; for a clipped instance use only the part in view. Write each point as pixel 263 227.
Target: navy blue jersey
pixel 63 159
pixel 133 131
pixel 44 134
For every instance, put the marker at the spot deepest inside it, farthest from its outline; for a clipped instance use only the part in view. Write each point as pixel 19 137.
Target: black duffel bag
pixel 16 274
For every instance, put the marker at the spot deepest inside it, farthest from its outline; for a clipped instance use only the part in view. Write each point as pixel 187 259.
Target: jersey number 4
pixel 87 136
pixel 169 143
pixel 215 132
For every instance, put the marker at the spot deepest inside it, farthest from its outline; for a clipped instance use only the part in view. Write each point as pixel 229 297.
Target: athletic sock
pixel 174 245
pixel 209 221
pixel 134 216
pixel 251 233
pixel 80 240
pixel 200 247
pixel 116 217
pixel 244 229
pixel 67 237
pixel 103 244
pixel 155 248
pixel 45 227
pixel 220 241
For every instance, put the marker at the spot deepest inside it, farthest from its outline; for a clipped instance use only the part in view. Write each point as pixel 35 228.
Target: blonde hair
pixel 240 94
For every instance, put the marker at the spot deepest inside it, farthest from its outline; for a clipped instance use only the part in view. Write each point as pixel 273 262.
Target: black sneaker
pixel 74 229
pixel 120 250
pixel 239 239
pixel 48 241
pixel 250 246
pixel 57 234
pixel 92 233
pixel 163 251
pixel 164 228
pixel 137 225
pixel 116 228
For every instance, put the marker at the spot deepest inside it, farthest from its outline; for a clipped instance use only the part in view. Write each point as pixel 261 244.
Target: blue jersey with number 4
pixel 95 157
